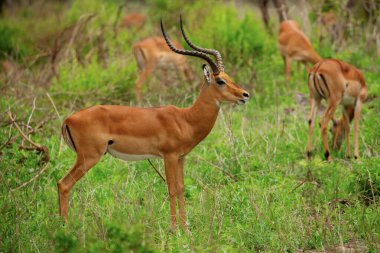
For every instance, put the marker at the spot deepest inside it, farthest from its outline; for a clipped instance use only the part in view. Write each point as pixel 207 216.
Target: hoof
pixel 327 155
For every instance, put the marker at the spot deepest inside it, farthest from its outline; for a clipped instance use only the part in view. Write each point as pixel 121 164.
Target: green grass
pixel 248 185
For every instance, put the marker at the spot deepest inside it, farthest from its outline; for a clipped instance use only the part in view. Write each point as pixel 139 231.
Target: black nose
pixel 246 94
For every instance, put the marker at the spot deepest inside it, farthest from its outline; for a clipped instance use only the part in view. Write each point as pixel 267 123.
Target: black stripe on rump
pixel 315 82
pixel 71 138
pixel 317 86
pixel 325 83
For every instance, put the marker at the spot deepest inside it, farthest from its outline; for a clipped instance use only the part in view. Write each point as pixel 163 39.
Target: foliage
pixel 248 185
pixel 6 41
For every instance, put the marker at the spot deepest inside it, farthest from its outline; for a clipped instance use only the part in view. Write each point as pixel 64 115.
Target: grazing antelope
pixel 166 132
pixel 133 20
pixel 152 53
pixel 338 83
pixel 294 45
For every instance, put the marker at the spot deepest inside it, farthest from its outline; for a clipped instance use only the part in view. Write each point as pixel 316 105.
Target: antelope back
pixel 133 20
pixel 338 80
pixel 150 50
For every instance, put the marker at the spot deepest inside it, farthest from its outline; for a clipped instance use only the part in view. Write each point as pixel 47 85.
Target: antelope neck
pixel 204 112
pixel 315 57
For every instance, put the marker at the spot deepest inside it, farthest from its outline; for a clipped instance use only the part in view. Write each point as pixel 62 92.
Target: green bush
pixel 366 183
pixel 114 79
pixel 65 242
pixel 239 40
pixel 8 43
pixel 248 186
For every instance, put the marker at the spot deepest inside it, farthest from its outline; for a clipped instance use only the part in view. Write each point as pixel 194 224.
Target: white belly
pixel 130 157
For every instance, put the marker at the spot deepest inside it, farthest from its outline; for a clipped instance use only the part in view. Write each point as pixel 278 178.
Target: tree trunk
pixel 282 10
pixel 263 4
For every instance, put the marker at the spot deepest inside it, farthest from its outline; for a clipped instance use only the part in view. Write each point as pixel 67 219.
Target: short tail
pixel 67 137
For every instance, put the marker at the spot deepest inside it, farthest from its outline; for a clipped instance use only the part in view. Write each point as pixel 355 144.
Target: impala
pixel 133 20
pixel 153 53
pixel 166 132
pixel 294 45
pixel 338 83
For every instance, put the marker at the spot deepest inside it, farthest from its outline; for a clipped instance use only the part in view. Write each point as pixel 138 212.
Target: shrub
pixel 8 45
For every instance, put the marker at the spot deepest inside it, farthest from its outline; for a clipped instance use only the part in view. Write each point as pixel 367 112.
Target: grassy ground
pixel 248 185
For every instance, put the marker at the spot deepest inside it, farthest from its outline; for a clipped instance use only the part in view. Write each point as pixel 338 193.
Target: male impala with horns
pixel 167 132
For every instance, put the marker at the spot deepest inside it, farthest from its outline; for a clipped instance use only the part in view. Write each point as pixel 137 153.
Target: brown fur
pixel 133 20
pixel 294 45
pixel 338 83
pixel 153 52
pixel 167 132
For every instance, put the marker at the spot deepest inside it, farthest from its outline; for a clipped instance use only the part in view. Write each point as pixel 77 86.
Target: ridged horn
pixel 202 55
pixel 218 56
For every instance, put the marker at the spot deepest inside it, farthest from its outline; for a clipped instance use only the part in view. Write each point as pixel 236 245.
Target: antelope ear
pixel 207 73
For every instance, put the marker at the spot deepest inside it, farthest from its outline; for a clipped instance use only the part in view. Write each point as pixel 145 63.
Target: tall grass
pixel 248 185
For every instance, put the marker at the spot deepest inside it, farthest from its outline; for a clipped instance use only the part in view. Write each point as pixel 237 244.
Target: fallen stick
pixel 32 179
pixel 35 146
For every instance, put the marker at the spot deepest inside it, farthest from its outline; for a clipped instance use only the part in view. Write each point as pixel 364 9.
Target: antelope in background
pixel 133 20
pixel 166 132
pixel 153 53
pixel 294 45
pixel 338 83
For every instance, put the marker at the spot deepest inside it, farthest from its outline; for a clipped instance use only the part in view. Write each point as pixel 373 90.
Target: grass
pixel 248 185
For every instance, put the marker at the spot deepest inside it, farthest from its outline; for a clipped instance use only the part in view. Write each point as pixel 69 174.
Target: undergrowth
pixel 248 185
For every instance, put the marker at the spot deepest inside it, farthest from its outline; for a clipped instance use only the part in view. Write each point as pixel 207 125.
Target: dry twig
pixel 35 146
pixel 308 180
pixel 117 19
pixel 218 168
pixel 154 167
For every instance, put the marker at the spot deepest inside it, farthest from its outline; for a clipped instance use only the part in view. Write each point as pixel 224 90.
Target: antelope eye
pixel 220 82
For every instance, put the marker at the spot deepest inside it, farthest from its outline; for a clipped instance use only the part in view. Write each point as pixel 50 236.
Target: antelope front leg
pixel 288 67
pixel 347 128
pixel 171 165
pixel 324 123
pixel 358 110
pixel 180 190
pixel 313 112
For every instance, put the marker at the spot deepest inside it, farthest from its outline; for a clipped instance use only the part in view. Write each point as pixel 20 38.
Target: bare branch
pixel 156 170
pixel 35 146
pixel 44 150
pixel 218 168
pixel 32 179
